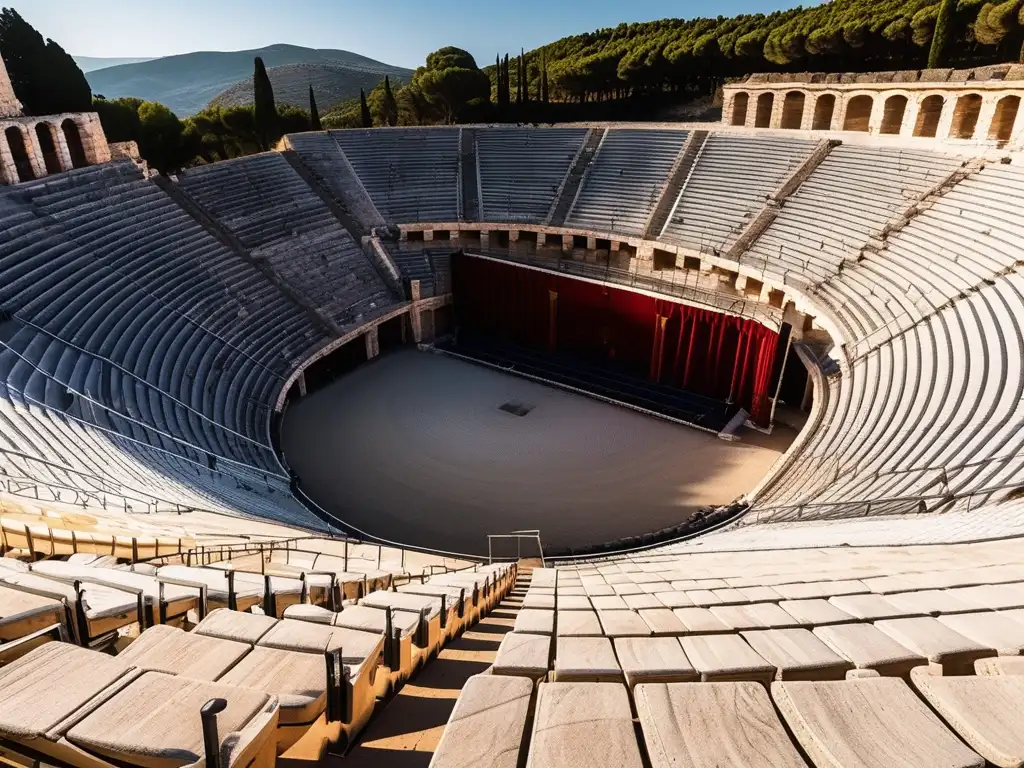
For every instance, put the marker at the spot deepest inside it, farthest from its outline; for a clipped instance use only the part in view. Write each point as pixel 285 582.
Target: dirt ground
pixel 416 449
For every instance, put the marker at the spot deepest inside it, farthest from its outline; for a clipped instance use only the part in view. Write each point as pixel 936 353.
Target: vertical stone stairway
pixel 407 730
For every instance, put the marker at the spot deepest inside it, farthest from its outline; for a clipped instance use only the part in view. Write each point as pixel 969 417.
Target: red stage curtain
pixel 698 350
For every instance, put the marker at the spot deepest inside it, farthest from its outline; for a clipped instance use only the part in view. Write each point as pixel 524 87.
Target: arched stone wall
pixel 18 147
pixel 47 140
pixel 824 112
pixel 857 115
pixel 982 111
pixel 76 147
pixel 763 115
pixel 793 110
pixel 1004 118
pixel 929 115
pixel 740 103
pixel 33 148
pixel 893 113
pixel 965 116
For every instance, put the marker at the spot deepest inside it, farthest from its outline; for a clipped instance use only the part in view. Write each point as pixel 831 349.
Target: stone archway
pixel 965 116
pixel 824 109
pixel 48 144
pixel 19 153
pixel 793 110
pixel 763 116
pixel 739 108
pixel 73 137
pixel 1004 119
pixel 858 114
pixel 893 113
pixel 928 116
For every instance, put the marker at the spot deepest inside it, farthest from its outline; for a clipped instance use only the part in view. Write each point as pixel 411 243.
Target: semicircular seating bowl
pixel 142 355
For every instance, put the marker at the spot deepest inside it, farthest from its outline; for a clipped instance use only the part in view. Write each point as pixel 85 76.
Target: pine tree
pixel 365 118
pixel 940 37
pixel 267 128
pixel 314 115
pixel 390 105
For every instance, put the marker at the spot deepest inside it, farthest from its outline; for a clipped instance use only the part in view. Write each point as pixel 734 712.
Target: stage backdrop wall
pixel 698 350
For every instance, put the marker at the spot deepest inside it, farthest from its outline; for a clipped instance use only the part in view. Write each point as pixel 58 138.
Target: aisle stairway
pixel 406 733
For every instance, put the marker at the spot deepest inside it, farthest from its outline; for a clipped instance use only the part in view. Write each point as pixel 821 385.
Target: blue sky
pixel 400 32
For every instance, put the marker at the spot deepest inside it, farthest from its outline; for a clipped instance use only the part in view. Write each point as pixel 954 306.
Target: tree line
pixel 615 70
pixel 698 55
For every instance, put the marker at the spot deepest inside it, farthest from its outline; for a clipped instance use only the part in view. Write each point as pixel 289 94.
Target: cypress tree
pixel 519 81
pixel 544 94
pixel 390 104
pixel 523 77
pixel 364 111
pixel 940 37
pixel 265 111
pixel 314 115
pixel 506 83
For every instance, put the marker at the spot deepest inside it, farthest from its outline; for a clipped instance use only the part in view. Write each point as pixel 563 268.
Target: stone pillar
pixel 566 242
pixel 372 343
pixel 839 114
pixel 751 109
pixel 807 118
pixel 513 235
pixel 778 104
pixel 485 238
pixel 428 235
pixel 615 246
pixel 302 384
pixel 35 152
pixel 93 139
pixel 910 116
pixel 63 153
pixel 542 238
pixel 8 169
pixel 591 243
pixel 741 283
pixel 403 236
pixel 986 115
pixel 946 121
pixel 877 113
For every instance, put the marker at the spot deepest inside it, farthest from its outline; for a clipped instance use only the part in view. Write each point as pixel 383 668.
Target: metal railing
pixel 892 505
pixel 519 536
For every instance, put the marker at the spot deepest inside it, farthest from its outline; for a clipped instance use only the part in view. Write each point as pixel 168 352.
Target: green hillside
pixel 188 82
pixel 331 83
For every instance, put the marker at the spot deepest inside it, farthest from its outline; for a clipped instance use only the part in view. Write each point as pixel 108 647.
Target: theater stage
pixel 416 448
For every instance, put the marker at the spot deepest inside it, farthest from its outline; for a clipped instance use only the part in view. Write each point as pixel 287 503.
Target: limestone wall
pixel 36 147
pixel 9 104
pixel 980 105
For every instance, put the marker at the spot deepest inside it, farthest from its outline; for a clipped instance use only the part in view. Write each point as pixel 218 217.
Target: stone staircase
pixel 574 179
pixel 406 733
pixel 674 184
pixel 469 178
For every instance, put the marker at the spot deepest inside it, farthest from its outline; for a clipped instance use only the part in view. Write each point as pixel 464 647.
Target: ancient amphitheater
pixel 171 595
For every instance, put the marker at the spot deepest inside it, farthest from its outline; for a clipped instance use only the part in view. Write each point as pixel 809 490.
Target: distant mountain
pixel 332 84
pixel 188 82
pixel 91 63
